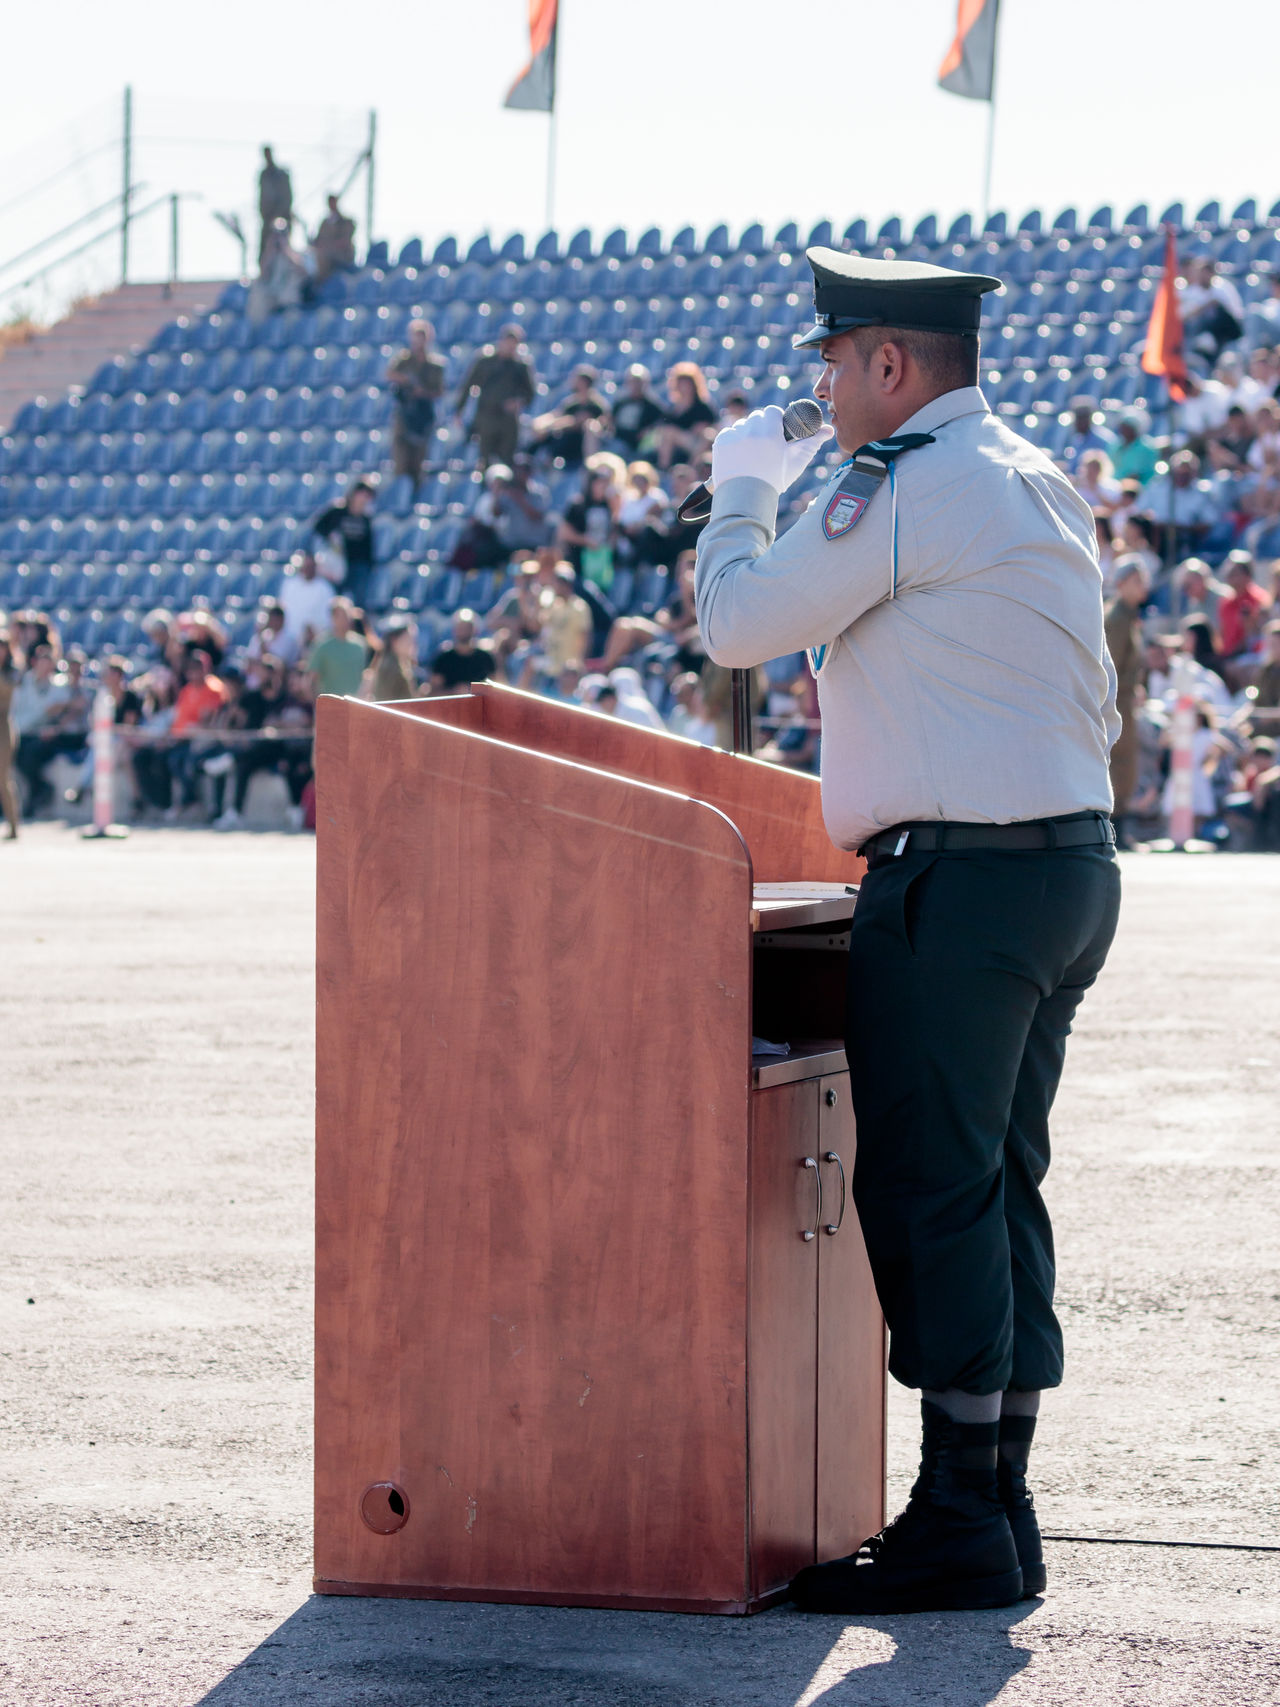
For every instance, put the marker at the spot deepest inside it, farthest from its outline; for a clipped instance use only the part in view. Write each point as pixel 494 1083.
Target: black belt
pixel 1039 835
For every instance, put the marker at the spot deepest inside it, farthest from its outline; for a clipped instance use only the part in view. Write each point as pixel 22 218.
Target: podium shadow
pixel 345 1652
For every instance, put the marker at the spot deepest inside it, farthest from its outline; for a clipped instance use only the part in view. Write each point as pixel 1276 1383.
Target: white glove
pixel 755 446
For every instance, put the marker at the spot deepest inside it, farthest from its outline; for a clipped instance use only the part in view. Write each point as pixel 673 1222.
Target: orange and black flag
pixel 970 66
pixel 1163 355
pixel 534 90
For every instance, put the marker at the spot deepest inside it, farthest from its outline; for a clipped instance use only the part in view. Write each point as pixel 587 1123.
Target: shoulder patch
pixel 844 508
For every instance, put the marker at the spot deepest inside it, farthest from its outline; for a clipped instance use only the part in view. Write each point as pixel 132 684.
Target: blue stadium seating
pixel 192 468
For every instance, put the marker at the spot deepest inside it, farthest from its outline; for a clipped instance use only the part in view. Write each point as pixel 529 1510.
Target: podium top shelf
pixel 779 906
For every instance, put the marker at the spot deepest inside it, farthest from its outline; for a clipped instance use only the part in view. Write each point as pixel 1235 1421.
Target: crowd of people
pixel 577 507
pixel 1189 539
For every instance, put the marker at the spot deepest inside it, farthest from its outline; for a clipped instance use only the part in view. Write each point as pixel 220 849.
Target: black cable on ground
pixel 1132 1541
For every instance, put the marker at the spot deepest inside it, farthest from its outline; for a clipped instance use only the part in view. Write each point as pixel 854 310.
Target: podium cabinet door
pixel 851 1346
pixel 782 1373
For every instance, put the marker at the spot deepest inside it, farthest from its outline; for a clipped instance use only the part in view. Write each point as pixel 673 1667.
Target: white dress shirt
pixel 979 689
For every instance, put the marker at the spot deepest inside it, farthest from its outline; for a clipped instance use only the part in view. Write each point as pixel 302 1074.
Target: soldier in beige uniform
pixel 946 585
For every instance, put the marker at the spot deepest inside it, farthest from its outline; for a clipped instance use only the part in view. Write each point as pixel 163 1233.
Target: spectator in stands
pixel 735 407
pixel 283 744
pixel 676 622
pixel 1134 455
pixel 688 714
pixel 1182 502
pixel 198 630
pixel 480 544
pixel 465 660
pixel 515 623
pixel 502 382
pixel 36 713
pixel 637 412
pixel 200 697
pixel 1212 312
pixel 282 279
pixel 275 198
pixel 633 703
pixel 680 536
pixel 394 673
pixel 1242 389
pixel 1202 663
pixel 641 533
pixel 1124 642
pixel 684 429
pixel 150 750
pixel 1234 438
pixel 588 529
pixel 1242 613
pixel 333 248
pixel 1196 592
pixel 1087 433
pixel 520 508
pixel 1202 410
pixel 8 735
pixel 572 430
pixel 1262 535
pixel 306 599
pixel 157 625
pixel 1093 481
pixel 1262 319
pixel 416 377
pixel 348 528
pixel 338 659
pixel 567 623
pixel 1264 452
pixel 268 639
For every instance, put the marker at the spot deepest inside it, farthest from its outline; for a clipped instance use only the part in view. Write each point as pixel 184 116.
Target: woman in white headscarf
pixel 634 704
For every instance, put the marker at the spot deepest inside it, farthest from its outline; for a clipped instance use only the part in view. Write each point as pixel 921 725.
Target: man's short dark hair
pixel 948 360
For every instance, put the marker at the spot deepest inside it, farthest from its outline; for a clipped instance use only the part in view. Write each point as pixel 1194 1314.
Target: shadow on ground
pixel 338 1652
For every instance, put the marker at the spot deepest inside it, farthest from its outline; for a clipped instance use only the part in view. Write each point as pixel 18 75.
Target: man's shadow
pixel 335 1652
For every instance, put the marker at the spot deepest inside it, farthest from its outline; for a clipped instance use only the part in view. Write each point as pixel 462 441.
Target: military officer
pixel 946 585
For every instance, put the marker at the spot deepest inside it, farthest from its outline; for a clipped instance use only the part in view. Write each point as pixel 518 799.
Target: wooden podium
pixel 594 1321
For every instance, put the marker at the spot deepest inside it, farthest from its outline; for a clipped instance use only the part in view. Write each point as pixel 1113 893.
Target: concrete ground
pixel 155 1073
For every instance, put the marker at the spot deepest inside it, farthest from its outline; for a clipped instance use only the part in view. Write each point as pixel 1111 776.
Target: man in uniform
pixel 946 583
pixel 275 199
pixel 416 376
pixel 503 383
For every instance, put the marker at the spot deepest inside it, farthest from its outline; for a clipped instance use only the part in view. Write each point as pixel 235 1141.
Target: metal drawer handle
pixel 811 1232
pixel 833 1230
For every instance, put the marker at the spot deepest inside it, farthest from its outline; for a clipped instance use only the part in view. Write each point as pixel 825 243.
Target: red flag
pixel 1163 353
pixel 534 89
pixel 970 66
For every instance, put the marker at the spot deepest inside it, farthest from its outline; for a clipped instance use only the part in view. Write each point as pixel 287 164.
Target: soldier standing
pixel 946 585
pixel 503 384
pixel 275 198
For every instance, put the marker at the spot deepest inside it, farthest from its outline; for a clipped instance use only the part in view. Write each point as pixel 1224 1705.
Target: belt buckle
pixel 901 845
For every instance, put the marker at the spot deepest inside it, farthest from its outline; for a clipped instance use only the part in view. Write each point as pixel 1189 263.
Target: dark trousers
pixel 965 971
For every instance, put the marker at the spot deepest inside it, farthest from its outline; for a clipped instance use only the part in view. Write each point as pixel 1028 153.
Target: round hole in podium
pixel 384 1507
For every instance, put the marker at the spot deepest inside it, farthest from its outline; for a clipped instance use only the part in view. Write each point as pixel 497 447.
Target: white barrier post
pixel 103 748
pixel 1182 816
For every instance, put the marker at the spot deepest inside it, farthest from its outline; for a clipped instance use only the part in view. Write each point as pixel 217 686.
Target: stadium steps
pixel 114 324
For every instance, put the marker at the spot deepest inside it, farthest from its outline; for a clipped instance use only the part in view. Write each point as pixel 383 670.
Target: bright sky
pixel 670 111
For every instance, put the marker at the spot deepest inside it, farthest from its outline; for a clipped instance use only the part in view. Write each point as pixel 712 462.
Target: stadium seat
pixel 410 254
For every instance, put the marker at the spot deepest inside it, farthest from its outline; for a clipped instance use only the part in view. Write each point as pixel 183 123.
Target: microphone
pixel 800 420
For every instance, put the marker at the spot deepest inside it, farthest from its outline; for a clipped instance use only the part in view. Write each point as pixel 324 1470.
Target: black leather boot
pixel 950 1550
pixel 1011 1473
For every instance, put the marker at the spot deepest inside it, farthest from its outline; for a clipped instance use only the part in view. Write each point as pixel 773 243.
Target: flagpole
pixel 551 117
pixel 991 123
pixel 551 166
